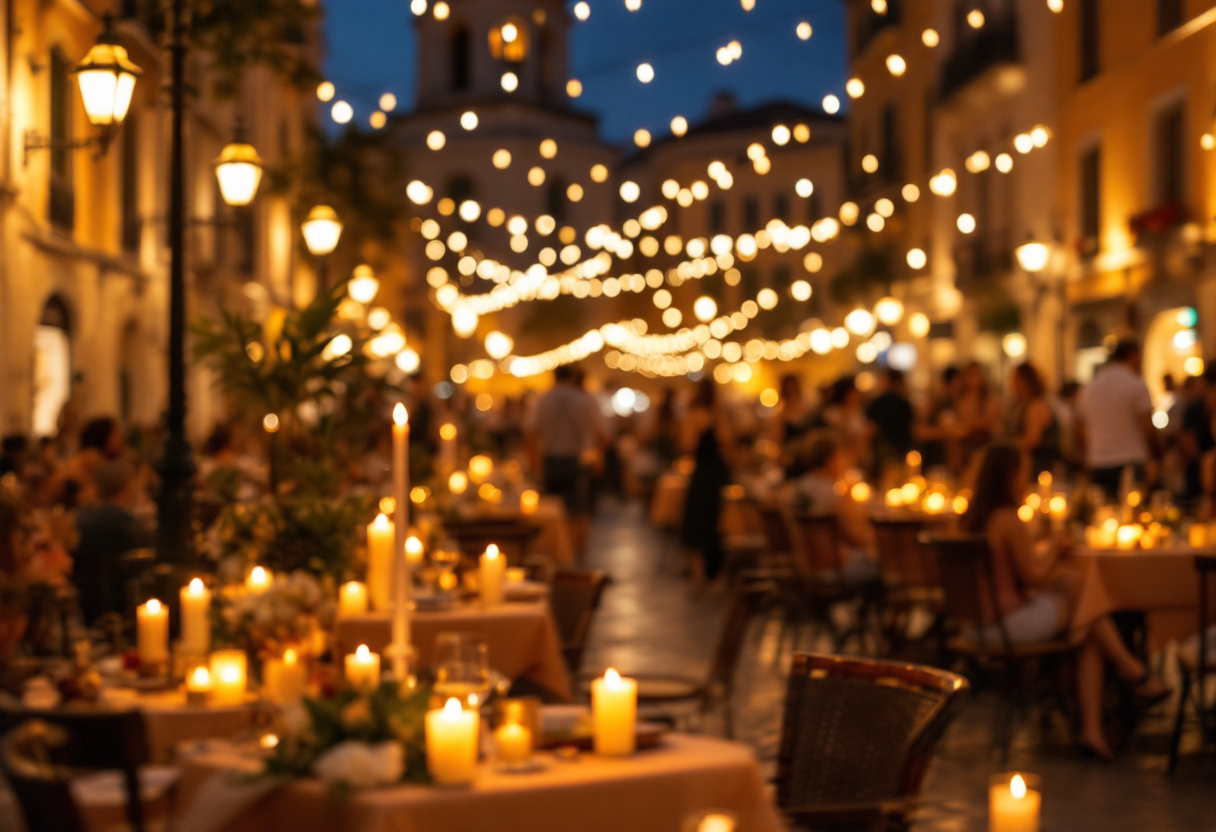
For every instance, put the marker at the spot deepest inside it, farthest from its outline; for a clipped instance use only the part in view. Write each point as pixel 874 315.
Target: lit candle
pixel 1045 481
pixel 447 448
pixel 153 633
pixel 1198 536
pixel 259 580
pixel 402 582
pixel 451 744
pixel 716 822
pixel 228 672
pixel 1057 506
pixel 935 502
pixel 514 743
pixel 528 501
pixel 1013 807
pixel 480 468
pixel 352 598
pixel 363 668
pixel 284 679
pixel 413 551
pixel 493 576
pixel 196 618
pixel 895 498
pixel 914 462
pixel 1128 536
pixel 381 538
pixel 198 685
pixel 614 709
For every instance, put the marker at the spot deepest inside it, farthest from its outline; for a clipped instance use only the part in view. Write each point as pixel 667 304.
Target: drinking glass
pixel 462 669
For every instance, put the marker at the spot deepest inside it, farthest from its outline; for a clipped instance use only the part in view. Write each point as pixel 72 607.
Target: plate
pixel 649 735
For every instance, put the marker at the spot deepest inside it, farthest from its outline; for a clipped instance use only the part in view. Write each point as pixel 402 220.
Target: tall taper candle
pixel 401 567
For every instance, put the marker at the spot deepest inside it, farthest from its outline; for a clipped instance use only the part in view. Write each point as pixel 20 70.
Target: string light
pixel 645 73
pixel 803 30
pixel 831 104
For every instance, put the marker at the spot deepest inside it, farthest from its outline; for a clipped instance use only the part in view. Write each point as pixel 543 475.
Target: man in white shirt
pixel 1115 415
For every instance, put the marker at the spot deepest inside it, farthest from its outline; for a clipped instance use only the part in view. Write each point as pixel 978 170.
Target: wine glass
pixel 446 558
pixel 462 669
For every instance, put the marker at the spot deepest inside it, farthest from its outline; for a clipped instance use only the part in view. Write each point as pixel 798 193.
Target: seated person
pixel 107 530
pixel 824 488
pixel 1035 598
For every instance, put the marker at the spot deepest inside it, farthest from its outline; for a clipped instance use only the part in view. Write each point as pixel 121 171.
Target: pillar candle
pixel 153 632
pixel 451 744
pixel 381 538
pixel 913 461
pixel 1045 481
pixel 284 679
pixel 614 711
pixel 196 618
pixel 1012 807
pixel 198 685
pixel 363 668
pixel 493 576
pixel 352 598
pixel 402 581
pixel 528 501
pixel 514 743
pixel 414 551
pixel 259 580
pixel 228 677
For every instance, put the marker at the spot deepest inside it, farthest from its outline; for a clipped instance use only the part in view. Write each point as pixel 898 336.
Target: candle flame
pixel 413 546
pixel 492 551
pixel 381 522
pixel 1017 787
pixel 153 606
pixel 612 679
pixel 258 575
pixel 196 587
pixel 201 676
pixel 269 741
pixel 1045 479
pixel 452 707
pixel 400 415
pixel 913 459
pixel 362 654
pixel 474 700
pixel 289 656
pixel 230 673
pixel 448 432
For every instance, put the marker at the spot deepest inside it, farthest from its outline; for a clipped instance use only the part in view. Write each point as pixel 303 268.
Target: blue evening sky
pixel 371 51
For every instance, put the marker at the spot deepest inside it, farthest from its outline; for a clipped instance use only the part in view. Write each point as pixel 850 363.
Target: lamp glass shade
pixel 107 81
pixel 363 285
pixel 239 171
pixel 321 230
pixel 1033 256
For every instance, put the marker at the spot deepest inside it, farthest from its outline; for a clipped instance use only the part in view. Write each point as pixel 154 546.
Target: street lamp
pixel 321 230
pixel 239 170
pixel 1033 256
pixel 363 285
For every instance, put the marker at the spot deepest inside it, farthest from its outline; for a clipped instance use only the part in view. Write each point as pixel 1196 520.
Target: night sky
pixel 371 51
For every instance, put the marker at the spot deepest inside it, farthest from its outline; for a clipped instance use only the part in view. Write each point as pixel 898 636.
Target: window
pixel 1091 200
pixel 751 214
pixel 130 186
pixel 717 217
pixel 1169 16
pixel 461 54
pixel 781 207
pixel 62 203
pixel 1090 39
pixel 557 198
pixel 509 42
pixel 1169 154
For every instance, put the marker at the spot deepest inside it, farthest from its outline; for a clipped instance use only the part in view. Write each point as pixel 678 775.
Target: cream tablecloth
pixel 169 721
pixel 653 791
pixel 522 638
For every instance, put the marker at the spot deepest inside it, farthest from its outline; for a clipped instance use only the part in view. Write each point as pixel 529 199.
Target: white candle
pixel 1045 481
pixel 284 679
pixel 513 742
pixel 196 618
pixel 413 551
pixel 528 501
pixel 493 576
pixel 614 711
pixel 1013 807
pixel 402 579
pixel 363 668
pixel 259 580
pixel 451 744
pixel 153 632
pixel 198 685
pixel 381 538
pixel 352 598
pixel 228 672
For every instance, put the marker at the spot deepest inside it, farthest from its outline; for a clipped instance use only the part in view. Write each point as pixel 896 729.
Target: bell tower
pixel 483 51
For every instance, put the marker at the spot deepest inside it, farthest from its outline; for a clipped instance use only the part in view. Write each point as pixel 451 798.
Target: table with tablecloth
pixel 656 790
pixel 1161 583
pixel 521 637
pixel 169 720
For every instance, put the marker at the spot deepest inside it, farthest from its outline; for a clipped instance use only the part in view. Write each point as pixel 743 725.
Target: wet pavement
pixel 649 623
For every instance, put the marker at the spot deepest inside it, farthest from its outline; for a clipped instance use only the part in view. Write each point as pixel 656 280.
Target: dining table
pixel 521 637
pixel 169 720
pixel 656 790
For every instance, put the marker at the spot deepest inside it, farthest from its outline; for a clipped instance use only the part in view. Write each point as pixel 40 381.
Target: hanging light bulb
pixel 889 311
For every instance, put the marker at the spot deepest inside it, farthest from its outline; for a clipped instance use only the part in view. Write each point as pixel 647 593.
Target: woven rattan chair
pixel 1195 662
pixel 965 567
pixel 821 564
pixel 574 599
pixel 44 751
pixel 857 738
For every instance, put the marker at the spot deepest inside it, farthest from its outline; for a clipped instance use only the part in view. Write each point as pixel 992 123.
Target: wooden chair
pixel 44 751
pixel 909 575
pixel 1195 662
pixel 964 565
pixel 857 738
pixel 574 598
pixel 821 565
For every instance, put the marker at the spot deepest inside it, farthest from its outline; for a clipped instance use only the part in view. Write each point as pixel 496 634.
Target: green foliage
pixel 382 715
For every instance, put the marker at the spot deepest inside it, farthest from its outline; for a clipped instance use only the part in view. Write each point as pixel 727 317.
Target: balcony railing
pixel 979 50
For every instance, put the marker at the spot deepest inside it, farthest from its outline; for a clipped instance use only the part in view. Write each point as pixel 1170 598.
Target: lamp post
pixel 322 230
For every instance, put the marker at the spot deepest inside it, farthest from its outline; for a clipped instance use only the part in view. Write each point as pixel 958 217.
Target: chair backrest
pixel 965 568
pixel 776 529
pixel 574 598
pixel 745 601
pixel 93 739
pixel 859 732
pixel 905 560
pixel 819 552
pixel 43 789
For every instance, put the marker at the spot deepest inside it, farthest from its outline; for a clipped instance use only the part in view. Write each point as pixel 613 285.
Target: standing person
pixel 1115 420
pixel 1194 429
pixel 792 417
pixel 938 419
pixel 562 433
pixel 1032 421
pixel 891 417
pixel 707 435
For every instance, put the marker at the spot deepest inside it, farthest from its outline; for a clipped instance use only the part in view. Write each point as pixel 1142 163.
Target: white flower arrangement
pixel 361 765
